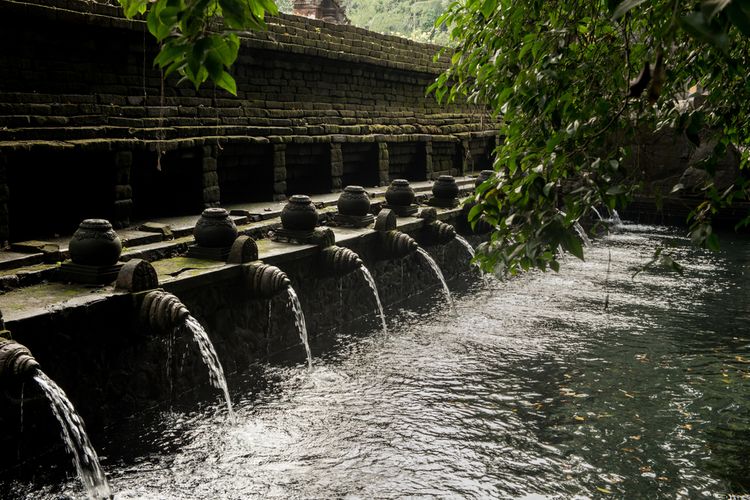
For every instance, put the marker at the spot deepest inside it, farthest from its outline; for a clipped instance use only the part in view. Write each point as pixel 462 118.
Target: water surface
pixel 588 382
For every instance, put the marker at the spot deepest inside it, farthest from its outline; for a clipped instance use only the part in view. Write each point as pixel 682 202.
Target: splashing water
pixel 371 282
pixel 299 320
pixel 210 358
pixel 582 234
pixel 75 438
pixel 598 214
pixel 436 269
pixel 615 218
pixel 466 245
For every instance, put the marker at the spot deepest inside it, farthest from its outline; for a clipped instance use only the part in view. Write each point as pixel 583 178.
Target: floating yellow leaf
pixel 662 478
pixel 688 427
pixel 579 418
pixel 636 438
pixel 603 490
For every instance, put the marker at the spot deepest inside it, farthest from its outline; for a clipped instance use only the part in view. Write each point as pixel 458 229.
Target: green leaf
pixel 712 242
pixel 624 7
pixel 169 53
pixel 488 7
pixel 226 82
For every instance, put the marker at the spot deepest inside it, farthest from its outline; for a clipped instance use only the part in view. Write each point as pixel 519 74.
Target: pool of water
pixel 584 383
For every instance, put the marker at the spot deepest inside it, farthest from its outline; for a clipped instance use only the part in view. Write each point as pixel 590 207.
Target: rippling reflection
pixel 534 388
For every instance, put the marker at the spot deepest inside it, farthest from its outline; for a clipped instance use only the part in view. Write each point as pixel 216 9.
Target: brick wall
pixel 319 106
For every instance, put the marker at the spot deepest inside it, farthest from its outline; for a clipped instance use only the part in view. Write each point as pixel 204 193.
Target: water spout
pixel 395 244
pixel 371 283
pixel 436 269
pixel 76 441
pixel 264 281
pixel 165 312
pixel 339 261
pixel 16 362
pixel 299 320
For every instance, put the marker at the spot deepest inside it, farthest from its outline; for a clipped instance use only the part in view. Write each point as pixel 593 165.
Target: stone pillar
pixel 211 192
pixel 279 171
pixel 384 164
pixel 464 160
pixel 428 172
pixel 123 208
pixel 4 198
pixel 337 167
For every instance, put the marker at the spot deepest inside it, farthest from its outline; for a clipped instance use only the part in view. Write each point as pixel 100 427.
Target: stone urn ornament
pixel 299 214
pixel 400 198
pixel 215 229
pixel 354 201
pixel 444 192
pixel 354 208
pixel 95 243
pixel 94 251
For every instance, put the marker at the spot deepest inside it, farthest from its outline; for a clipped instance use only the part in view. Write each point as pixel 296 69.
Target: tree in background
pixel 415 20
pixel 571 83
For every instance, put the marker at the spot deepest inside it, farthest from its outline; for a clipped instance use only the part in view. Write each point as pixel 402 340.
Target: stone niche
pixel 51 191
pixel 308 168
pixel 407 160
pixel 245 172
pixel 169 186
pixel 360 164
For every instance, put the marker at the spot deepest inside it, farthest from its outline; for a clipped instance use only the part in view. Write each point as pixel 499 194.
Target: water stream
pixel 374 287
pixel 436 269
pixel 466 245
pixel 210 358
pixel 76 441
pixel 299 321
pixel 535 390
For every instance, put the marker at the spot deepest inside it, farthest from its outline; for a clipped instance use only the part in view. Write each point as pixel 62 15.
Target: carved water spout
pixel 16 361
pixel 338 261
pixel 162 310
pixel 266 281
pixel 434 231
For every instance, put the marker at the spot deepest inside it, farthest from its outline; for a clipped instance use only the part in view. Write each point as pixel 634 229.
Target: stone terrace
pixel 87 129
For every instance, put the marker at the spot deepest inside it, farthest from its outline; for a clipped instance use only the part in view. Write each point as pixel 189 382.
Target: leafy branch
pixel 193 41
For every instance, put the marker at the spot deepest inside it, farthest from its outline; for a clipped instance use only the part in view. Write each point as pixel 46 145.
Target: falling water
pixel 597 213
pixel 374 288
pixel 208 353
pixel 582 234
pixel 615 217
pixel 439 274
pixel 76 440
pixel 299 320
pixel 466 245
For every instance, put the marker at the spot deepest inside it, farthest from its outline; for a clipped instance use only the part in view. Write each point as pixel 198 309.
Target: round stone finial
pixel 215 229
pixel 354 201
pixel 95 243
pixel 299 214
pixel 445 188
pixel 400 193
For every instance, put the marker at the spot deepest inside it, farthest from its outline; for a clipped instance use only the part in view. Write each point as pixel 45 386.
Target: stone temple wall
pixel 113 366
pixel 87 131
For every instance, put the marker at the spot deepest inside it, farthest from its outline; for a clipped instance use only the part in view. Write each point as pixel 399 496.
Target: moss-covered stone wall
pixel 84 115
